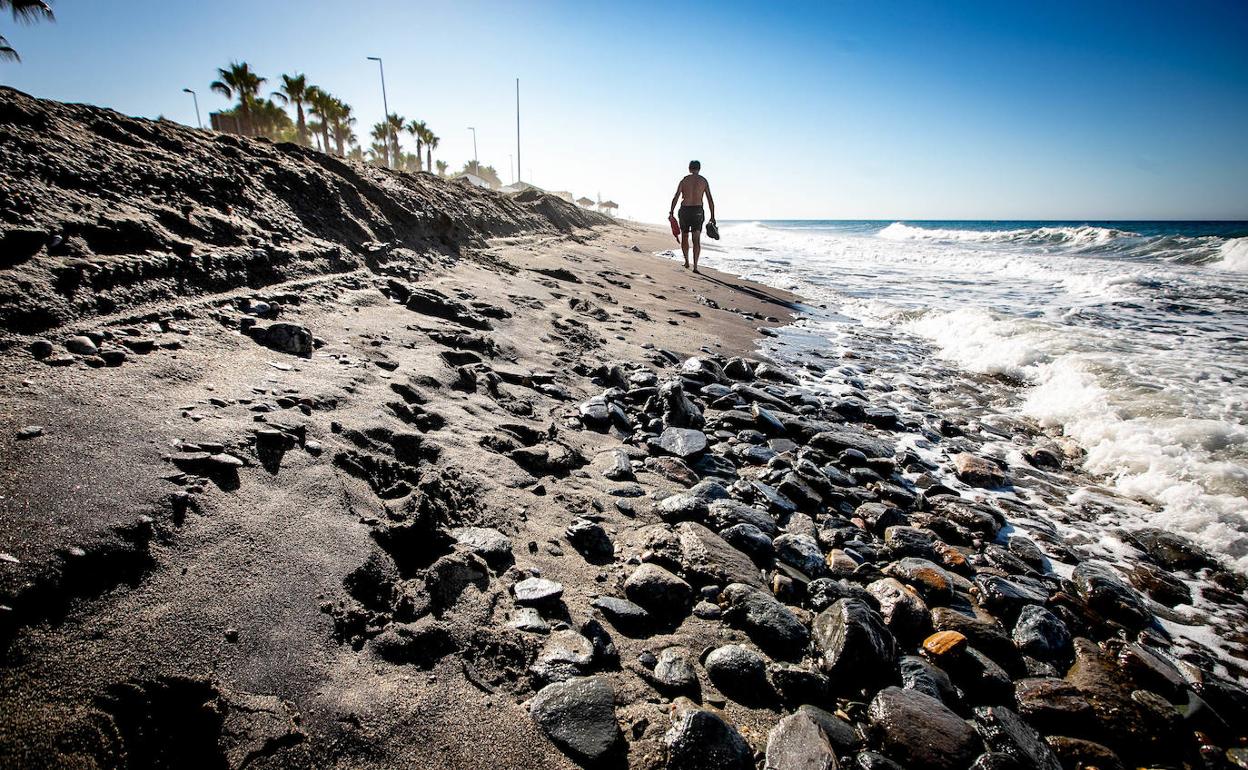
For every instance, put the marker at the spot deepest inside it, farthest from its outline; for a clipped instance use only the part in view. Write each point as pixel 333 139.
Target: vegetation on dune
pixel 484 172
pixel 23 11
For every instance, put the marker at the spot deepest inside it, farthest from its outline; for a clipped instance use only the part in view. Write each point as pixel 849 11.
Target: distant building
pixel 475 180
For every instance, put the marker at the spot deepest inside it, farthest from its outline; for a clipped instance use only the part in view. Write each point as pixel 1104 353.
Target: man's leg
pixel 697 248
pixel 684 245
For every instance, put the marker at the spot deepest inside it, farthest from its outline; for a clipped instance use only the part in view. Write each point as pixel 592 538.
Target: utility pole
pixel 196 98
pixel 386 121
pixel 517 129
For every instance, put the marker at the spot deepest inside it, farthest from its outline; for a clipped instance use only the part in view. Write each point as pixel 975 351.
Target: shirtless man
pixel 689 192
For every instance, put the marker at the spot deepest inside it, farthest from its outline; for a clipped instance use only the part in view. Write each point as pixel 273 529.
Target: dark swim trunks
pixel 691 218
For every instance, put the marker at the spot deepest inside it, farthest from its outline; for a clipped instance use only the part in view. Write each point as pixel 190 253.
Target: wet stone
pixel 1004 732
pixel 854 643
pixel 1053 705
pixel 1006 597
pixel 1041 634
pixel 1172 551
pixel 910 541
pixel 931 580
pixel 978 471
pixel 682 442
pixel 1107 594
pixel 918 674
pixel 767 622
pixel 798 683
pixel 918 731
pixel 801 552
pixel 674 670
pixel 901 607
pixel 658 590
pixel 1160 585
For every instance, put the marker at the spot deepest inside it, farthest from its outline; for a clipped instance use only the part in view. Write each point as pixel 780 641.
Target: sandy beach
pixel 310 464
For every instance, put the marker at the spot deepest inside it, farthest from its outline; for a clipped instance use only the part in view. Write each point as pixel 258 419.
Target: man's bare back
pixel 692 188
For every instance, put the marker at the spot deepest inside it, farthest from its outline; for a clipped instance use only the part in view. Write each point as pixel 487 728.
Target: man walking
pixel 689 192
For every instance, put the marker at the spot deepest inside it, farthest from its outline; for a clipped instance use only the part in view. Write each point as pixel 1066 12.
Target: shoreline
pixel 546 495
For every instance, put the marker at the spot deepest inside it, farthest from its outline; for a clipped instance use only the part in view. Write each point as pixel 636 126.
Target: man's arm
pixel 675 198
pixel 710 201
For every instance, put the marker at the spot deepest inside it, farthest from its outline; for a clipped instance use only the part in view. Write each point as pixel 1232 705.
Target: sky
pixel 829 110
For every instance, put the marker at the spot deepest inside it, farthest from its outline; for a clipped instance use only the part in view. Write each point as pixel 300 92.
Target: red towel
pixel 671 220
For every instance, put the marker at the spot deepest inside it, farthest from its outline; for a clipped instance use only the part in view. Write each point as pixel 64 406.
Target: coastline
pixel 465 487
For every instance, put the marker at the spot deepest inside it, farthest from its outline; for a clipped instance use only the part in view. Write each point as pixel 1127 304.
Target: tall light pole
pixel 196 98
pixel 517 129
pixel 386 121
pixel 475 162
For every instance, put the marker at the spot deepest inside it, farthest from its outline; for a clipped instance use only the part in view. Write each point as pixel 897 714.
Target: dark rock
pixel 1040 634
pixel 701 740
pixel 843 736
pixel 452 574
pixel 590 540
pixel 836 439
pixel 565 655
pixel 802 553
pixel 739 369
pixel 579 717
pixel 918 674
pixel 674 671
pixel 674 469
pixel 682 442
pixel 682 507
pixel 797 683
pixel 81 345
pixel 536 591
pixel 798 743
pixel 984 634
pixel 614 464
pixel 854 643
pixel 285 338
pixel 870 760
pixel 1005 597
pixel 595 414
pixel 738 672
pixel 931 580
pixel 489 544
pixel 773 498
pixel 1108 595
pixel 1054 706
pixel 750 540
pixel 910 541
pixel 678 410
pixel 1160 585
pixel 622 612
pixel 920 732
pixel 1077 753
pixel 722 514
pixel 767 622
pixel 659 591
pixel 1004 732
pixel 1171 551
pixel 901 607
pixel 705 557
pixel 41 349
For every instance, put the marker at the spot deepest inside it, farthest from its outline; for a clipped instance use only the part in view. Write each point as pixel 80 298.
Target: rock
pixel 854 643
pixel 775 500
pixel 1080 753
pixel 738 672
pixel 710 491
pixel 1108 595
pixel 905 541
pixel 1171 551
pixel 449 576
pixel 579 717
pixel 918 674
pixel 920 732
pixel 798 683
pixel 659 591
pixel 682 507
pixel 843 736
pixel 615 464
pixel 701 740
pixel 81 345
pixel 595 414
pixel 722 514
pixel 801 552
pixel 674 671
pixel 590 540
pixel 622 613
pixel 903 611
pixel 739 369
pixel 977 471
pixel 767 422
pixel 931 580
pixel 764 619
pixel 798 743
pixel 536 591
pixel 529 619
pixel 29 432
pixel 1053 706
pixel 837 439
pixel 1005 597
pixel 774 373
pixel 750 540
pixel 489 544
pixel 41 349
pixel 552 458
pixel 678 410
pixel 285 338
pixel 1040 634
pixel 984 634
pixel 705 557
pixel 673 469
pixel 1160 585
pixel 682 442
pixel 565 655
pixel 1004 732
pixel 870 760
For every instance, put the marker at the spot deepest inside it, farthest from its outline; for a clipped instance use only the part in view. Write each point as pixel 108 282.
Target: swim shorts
pixel 691 218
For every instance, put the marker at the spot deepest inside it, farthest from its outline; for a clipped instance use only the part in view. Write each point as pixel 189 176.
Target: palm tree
pixel 322 105
pixel 485 172
pixel 380 148
pixel 341 126
pixel 431 144
pixel 24 11
pixel 239 80
pixel 395 122
pixel 441 168
pixel 418 129
pixel 294 91
pixel 315 128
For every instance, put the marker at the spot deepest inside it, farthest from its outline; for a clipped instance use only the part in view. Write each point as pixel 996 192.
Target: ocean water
pixel 1129 337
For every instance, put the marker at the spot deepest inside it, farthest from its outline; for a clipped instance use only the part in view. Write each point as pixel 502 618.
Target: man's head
pixel 695 166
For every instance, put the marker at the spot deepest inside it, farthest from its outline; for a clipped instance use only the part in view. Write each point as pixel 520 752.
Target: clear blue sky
pixel 858 109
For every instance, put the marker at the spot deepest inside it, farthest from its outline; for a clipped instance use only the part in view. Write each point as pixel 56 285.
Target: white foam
pixel 1233 255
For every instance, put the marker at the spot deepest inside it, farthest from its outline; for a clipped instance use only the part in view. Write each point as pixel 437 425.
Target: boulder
pixel 1004 732
pixel 285 338
pixel 738 672
pixel 579 717
pixel 798 743
pixel 920 732
pixel 701 740
pixel 764 619
pixel 854 643
pixel 682 442
pixel 659 591
pixel 705 557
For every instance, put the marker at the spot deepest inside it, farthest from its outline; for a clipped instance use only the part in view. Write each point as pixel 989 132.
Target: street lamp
pixel 386 121
pixel 196 98
pixel 475 162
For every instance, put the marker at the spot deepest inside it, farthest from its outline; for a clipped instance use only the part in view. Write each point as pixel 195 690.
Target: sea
pixel 1129 338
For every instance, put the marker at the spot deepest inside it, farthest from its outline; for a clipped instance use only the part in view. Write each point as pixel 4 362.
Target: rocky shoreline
pixel 529 501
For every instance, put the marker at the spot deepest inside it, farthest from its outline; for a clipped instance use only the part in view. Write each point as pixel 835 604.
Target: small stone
pixel 590 540
pixel 1040 634
pixel 801 552
pixel 658 590
pixel 578 715
pixel 977 471
pixel 29 432
pixel 903 611
pixel 674 670
pixel 41 349
pixel 944 645
pixel 622 612
pixel 81 345
pixel 921 732
pixel 682 442
pixel 738 672
pixel 537 591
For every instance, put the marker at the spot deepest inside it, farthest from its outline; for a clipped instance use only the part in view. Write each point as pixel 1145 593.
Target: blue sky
pixel 898 109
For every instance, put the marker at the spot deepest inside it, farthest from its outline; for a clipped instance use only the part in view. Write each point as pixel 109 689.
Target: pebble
pixel 578 715
pixel 81 345
pixel 537 591
pixel 702 740
pixel 738 672
pixel 29 432
pixel 674 670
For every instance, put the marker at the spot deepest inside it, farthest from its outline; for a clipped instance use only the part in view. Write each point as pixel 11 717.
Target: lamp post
pixel 196 99
pixel 386 120
pixel 475 162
